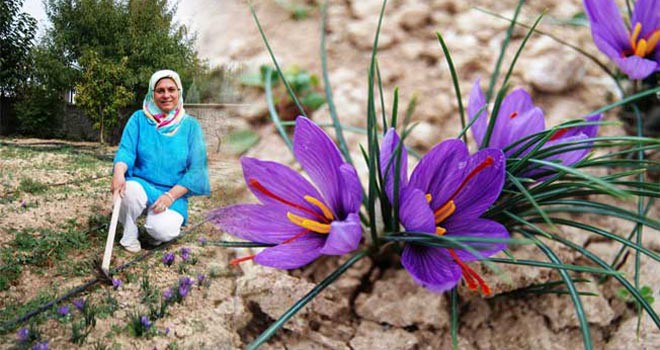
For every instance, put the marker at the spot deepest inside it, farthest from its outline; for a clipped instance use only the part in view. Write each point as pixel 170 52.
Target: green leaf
pixel 241 141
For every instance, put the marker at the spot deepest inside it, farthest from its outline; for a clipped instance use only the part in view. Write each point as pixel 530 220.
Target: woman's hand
pixel 162 203
pixel 118 184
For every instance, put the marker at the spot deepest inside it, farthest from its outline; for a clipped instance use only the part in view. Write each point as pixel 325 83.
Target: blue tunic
pixel 158 162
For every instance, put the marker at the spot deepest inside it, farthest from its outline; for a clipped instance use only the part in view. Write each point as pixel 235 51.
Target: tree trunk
pixel 101 132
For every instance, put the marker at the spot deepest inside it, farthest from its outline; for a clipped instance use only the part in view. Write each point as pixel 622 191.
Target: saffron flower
pixel 23 335
pixel 144 321
pixel 79 304
pixel 63 310
pixel 518 118
pixel 202 241
pixel 167 294
pixel 184 286
pixel 446 194
pixel 116 283
pixel 635 50
pixel 168 258
pixel 41 346
pixel 185 253
pixel 300 220
pixel 200 279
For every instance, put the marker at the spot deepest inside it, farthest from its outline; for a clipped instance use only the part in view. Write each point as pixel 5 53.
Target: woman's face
pixel 166 95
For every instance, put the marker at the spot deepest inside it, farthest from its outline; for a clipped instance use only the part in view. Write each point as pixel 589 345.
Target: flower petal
pixel 589 130
pixel 351 189
pixel 281 181
pixel 431 267
pixel 441 171
pixel 481 228
pixel 344 236
pixel 483 188
pixel 254 222
pixel 529 123
pixel 292 255
pixel 646 12
pixel 636 67
pixel 515 105
pixel 607 27
pixel 475 102
pixel 414 211
pixel 320 158
pixel 388 162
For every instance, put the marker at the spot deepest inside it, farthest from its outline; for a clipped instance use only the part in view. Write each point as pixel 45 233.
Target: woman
pixel 161 161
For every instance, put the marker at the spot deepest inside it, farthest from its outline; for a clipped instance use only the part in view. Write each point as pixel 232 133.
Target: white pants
pixel 162 227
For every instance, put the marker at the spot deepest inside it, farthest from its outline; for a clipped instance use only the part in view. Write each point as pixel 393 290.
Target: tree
pixel 17 31
pixel 101 92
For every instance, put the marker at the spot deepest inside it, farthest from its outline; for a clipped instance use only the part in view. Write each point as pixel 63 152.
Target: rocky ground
pixel 375 305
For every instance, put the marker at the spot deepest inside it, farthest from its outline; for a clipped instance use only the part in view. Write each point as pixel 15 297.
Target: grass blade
pixel 454 78
pixel 268 87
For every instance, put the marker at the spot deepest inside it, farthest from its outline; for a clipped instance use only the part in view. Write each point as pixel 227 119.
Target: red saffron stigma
pixel 513 115
pixel 483 165
pixel 240 260
pixel 296 237
pixel 256 184
pixel 470 275
pixel 559 133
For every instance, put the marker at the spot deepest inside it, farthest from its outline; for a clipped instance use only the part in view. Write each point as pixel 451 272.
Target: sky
pixel 36 9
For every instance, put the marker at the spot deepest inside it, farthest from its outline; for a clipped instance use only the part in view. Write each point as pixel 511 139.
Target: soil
pixel 374 305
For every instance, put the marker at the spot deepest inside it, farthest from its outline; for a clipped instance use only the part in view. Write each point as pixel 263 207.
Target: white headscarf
pixel 167 124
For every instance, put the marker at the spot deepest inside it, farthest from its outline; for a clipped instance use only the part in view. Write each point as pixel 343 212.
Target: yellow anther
pixel 444 211
pixel 440 231
pixel 641 48
pixel 653 41
pixel 428 198
pixel 326 211
pixel 635 35
pixel 311 225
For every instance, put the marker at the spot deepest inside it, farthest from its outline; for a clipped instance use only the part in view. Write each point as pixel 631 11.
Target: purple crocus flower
pixel 41 346
pixel 446 194
pixel 23 335
pixel 201 278
pixel 202 240
pixel 144 321
pixel 168 258
pixel 635 51
pixel 79 303
pixel 519 118
pixel 184 286
pixel 63 310
pixel 302 221
pixel 116 283
pixel 167 294
pixel 185 253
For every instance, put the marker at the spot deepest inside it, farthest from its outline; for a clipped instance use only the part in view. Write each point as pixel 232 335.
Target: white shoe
pixel 133 247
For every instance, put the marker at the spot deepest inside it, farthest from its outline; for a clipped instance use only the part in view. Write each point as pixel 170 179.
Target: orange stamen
pixel 240 260
pixel 308 224
pixel 440 230
pixel 652 41
pixel 470 275
pixel 256 184
pixel 444 211
pixel 429 198
pixel 641 48
pixel 635 35
pixel 513 115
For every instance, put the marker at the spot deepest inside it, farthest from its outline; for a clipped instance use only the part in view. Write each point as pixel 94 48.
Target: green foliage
pixel 29 185
pixel 241 141
pixel 646 292
pixel 101 91
pixel 17 30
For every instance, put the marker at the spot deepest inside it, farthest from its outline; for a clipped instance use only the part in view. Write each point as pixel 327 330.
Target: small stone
pixel 414 16
pixel 371 335
pixel 361 34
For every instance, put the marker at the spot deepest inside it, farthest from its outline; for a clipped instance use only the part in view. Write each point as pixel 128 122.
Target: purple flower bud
pixel 79 303
pixel 23 335
pixel 185 253
pixel 167 294
pixel 168 258
pixel 202 240
pixel 144 320
pixel 23 204
pixel 167 330
pixel 41 346
pixel 116 283
pixel 63 311
pixel 184 286
pixel 201 278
